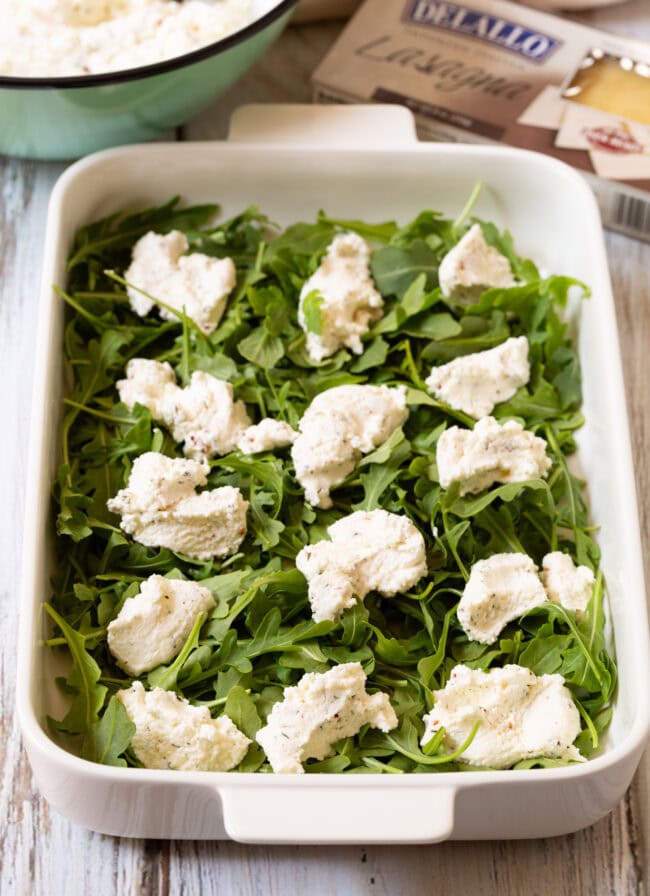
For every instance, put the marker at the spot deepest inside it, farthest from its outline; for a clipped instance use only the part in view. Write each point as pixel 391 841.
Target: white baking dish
pixel 355 162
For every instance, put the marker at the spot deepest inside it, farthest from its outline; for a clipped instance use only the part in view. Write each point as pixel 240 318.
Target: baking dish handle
pixel 371 126
pixel 371 813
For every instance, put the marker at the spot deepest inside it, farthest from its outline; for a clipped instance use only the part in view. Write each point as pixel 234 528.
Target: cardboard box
pixel 495 71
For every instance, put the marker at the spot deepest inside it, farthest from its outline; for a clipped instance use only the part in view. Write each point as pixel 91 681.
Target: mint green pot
pixel 64 118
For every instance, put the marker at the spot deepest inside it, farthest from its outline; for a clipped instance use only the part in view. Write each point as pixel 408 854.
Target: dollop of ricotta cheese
pixel 204 415
pixel 338 427
pixel 161 508
pixel 489 453
pixel 54 38
pixel 320 710
pixel 369 551
pixel 267 435
pixel 501 588
pixel 473 266
pixel 475 383
pixel 196 283
pixel 171 733
pixel 566 583
pixel 521 716
pixel 349 300
pixel 153 625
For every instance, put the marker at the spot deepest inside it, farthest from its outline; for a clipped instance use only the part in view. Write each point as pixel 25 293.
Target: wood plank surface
pixel 43 854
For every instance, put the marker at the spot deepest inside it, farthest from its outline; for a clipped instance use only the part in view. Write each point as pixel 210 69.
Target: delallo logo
pixel 527 42
pixel 618 139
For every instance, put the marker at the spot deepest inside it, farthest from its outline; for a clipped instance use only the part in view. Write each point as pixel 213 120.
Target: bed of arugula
pixel 261 638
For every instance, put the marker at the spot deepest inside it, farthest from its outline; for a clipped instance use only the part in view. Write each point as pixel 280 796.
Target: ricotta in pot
pixel 59 38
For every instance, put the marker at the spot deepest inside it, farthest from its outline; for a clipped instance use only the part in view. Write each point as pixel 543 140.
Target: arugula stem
pixel 87 636
pixel 434 662
pixel 118 297
pixel 410 363
pixel 423 759
pixel 167 681
pixel 550 540
pixel 110 418
pixel 452 548
pixel 382 767
pixel 583 647
pixel 467 208
pixel 185 356
pixel 95 321
pixel 591 728
pixel 269 383
pixel 557 451
pixel 169 308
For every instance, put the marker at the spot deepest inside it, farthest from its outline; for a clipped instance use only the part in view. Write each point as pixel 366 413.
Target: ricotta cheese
pixel 499 589
pixel 489 453
pixel 204 415
pixel 369 551
pixel 521 716
pixel 349 299
pixel 171 733
pixel 267 435
pixel 566 583
pixel 320 710
pixel 338 427
pixel 152 626
pixel 151 384
pixel 475 383
pixel 54 38
pixel 161 508
pixel 473 266
pixel 197 283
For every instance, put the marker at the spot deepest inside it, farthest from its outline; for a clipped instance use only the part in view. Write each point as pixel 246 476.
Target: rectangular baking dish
pixel 357 162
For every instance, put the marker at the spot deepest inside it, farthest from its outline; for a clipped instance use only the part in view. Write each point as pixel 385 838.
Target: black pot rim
pixel 156 68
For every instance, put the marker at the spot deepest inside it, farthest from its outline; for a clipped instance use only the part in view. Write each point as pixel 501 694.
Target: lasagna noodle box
pixel 495 71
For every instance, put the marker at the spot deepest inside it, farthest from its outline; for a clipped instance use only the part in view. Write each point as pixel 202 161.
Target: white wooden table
pixel 43 854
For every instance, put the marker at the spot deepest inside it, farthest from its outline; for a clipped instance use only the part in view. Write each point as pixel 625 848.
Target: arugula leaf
pixel 108 738
pixel 374 356
pixel 394 269
pixel 240 709
pixel 311 309
pixel 165 677
pixel 381 233
pixel 470 505
pixel 261 348
pixel 83 680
